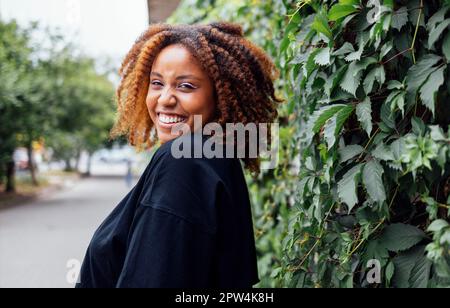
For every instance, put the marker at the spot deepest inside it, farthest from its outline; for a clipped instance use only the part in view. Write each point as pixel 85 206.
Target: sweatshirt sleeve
pixel 172 242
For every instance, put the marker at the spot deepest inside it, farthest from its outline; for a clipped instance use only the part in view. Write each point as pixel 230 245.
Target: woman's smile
pixel 168 121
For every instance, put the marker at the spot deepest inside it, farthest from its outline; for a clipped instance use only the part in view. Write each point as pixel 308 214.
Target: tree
pixel 14 59
pixel 85 111
pixel 50 92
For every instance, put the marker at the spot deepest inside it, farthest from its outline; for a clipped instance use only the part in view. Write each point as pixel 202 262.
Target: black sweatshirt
pixel 187 223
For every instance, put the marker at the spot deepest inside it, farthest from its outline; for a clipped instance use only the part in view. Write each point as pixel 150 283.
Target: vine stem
pixel 444 206
pixel 397 55
pixel 315 244
pixel 368 143
pixel 375 229
pixel 300 5
pixel 362 241
pixel 416 31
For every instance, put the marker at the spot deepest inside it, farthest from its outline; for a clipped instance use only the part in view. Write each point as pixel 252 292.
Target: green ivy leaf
pixel 364 113
pixel 436 133
pixel 373 181
pixel 398 147
pixel 418 126
pixel 354 56
pixel 320 24
pixel 387 117
pixel 401 237
pixel 400 18
pixel 342 117
pixel 330 132
pixel 344 50
pixel 335 124
pixel 418 73
pixel 395 84
pixel 349 2
pixel 437 18
pixel 347 187
pixel 383 152
pixel 437 225
pixel 436 33
pixel 284 44
pixel 323 57
pixel 446 47
pixel 420 274
pixel 369 81
pixel 430 88
pixel 404 265
pixel 322 115
pixel 376 74
pixel 334 80
pixel 310 64
pixel 375 250
pixel 349 152
pixel 397 100
pixel 390 269
pixel 351 81
pixel 385 49
pixel 339 11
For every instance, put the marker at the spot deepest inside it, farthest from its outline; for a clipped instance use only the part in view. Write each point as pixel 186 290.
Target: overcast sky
pixel 103 27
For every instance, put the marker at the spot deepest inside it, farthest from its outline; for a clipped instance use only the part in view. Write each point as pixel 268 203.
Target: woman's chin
pixel 164 137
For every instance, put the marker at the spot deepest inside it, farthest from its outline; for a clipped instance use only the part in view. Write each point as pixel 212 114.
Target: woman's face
pixel 179 89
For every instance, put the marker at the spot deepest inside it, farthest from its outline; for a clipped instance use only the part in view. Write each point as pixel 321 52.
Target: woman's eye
pixel 156 83
pixel 187 85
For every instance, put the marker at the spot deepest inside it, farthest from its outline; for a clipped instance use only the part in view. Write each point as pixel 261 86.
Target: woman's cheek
pixel 150 102
pixel 195 105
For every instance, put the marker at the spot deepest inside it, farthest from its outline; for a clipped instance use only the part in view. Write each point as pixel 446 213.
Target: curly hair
pixel 241 72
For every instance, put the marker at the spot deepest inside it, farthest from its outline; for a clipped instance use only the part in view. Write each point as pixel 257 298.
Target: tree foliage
pixel 51 93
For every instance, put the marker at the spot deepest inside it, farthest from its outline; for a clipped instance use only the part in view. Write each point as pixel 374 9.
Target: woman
pixel 187 222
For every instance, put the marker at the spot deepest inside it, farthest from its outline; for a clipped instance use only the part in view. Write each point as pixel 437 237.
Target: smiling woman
pixel 188 222
pixel 179 89
pixel 233 84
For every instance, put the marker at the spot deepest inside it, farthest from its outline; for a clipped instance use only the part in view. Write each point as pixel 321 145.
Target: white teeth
pixel 170 119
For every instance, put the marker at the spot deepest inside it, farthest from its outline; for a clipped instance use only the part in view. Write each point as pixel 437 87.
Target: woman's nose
pixel 166 97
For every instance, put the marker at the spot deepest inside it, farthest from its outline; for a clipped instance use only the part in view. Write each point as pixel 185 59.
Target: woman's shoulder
pixel 191 154
pixel 187 186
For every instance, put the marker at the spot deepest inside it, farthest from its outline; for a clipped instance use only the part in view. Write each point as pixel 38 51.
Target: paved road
pixel 38 239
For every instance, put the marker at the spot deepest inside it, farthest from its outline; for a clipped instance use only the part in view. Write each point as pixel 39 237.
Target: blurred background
pixel 60 175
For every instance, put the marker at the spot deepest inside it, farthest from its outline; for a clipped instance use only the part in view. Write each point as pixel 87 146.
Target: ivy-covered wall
pixel 363 187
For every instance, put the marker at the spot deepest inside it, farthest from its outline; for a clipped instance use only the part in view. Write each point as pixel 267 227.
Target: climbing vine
pixel 361 196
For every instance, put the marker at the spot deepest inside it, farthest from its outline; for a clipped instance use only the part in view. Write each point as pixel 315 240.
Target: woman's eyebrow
pixel 178 78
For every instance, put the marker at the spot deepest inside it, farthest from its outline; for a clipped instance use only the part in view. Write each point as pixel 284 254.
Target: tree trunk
pixel 68 165
pixel 2 174
pixel 77 161
pixel 10 174
pixel 31 164
pixel 89 164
